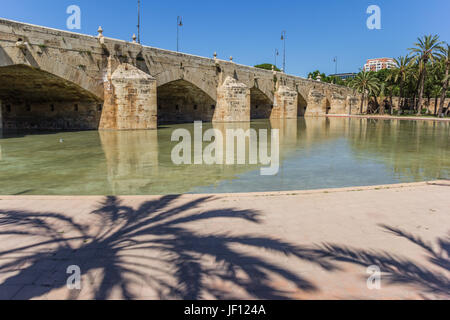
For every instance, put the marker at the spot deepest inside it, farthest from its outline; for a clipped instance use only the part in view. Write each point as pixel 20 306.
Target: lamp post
pixel 179 25
pixel 283 38
pixel 139 22
pixel 276 55
pixel 335 60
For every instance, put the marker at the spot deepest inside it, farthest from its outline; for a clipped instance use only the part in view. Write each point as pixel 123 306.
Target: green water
pixel 315 153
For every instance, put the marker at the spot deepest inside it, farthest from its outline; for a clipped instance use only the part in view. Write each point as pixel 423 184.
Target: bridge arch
pixel 78 67
pixel 260 104
pixel 181 101
pixel 33 98
pixel 327 106
pixel 206 84
pixel 302 105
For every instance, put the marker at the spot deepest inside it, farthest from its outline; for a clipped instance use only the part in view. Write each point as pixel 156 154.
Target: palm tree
pixel 400 73
pixel 365 83
pixel 434 83
pixel 436 92
pixel 412 85
pixel 425 51
pixel 390 89
pixel 445 57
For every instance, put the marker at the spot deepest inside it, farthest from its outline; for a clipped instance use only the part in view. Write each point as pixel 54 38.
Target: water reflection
pixel 288 131
pixel 415 150
pixel 128 155
pixel 314 153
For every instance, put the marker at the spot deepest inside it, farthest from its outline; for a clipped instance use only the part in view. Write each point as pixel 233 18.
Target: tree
pixel 434 83
pixel 328 79
pixel 391 89
pixel 411 86
pixel 315 75
pixel 336 80
pixel 425 51
pixel 267 66
pixel 381 93
pixel 399 74
pixel 365 83
pixel 445 58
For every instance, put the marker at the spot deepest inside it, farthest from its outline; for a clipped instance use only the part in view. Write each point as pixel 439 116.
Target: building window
pixel 195 107
pixel 177 107
pixel 8 108
pixel 76 107
pixel 52 108
pixel 256 107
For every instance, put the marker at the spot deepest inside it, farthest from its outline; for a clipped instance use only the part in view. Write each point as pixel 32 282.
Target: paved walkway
pixel 297 245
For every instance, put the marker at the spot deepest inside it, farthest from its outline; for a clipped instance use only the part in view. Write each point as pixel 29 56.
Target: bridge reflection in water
pixel 314 153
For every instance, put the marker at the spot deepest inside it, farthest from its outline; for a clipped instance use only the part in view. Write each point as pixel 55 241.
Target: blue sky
pixel 250 30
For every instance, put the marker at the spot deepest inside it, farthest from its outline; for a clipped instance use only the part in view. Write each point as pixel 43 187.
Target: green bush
pixel 266 66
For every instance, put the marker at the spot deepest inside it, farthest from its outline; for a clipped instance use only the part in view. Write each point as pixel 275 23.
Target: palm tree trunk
pixel 362 103
pixel 400 102
pixel 421 89
pixel 380 105
pixel 435 105
pixel 444 91
pixel 391 106
pixel 374 109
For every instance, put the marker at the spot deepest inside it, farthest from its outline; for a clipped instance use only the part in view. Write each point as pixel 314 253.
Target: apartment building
pixel 379 64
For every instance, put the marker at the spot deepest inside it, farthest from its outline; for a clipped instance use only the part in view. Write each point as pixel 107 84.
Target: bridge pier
pixel 285 104
pixel 233 102
pixel 130 100
pixel 317 104
pixel 337 103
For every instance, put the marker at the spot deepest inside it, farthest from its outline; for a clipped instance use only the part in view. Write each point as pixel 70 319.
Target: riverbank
pixel 290 245
pixel 384 117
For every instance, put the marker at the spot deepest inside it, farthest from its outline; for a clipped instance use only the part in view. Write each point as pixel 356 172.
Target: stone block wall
pixel 338 104
pixel 51 115
pixel 354 104
pixel 428 104
pixel 317 104
pixel 233 102
pixel 132 104
pixel 286 104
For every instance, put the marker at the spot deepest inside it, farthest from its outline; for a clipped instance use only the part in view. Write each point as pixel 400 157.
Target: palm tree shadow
pixel 400 270
pixel 149 245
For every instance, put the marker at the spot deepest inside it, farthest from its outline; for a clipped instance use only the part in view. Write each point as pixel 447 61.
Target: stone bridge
pixel 53 79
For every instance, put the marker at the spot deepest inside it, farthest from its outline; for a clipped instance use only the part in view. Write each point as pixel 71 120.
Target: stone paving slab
pixel 288 245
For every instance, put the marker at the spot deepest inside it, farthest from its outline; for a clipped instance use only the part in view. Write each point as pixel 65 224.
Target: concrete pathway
pixel 295 245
